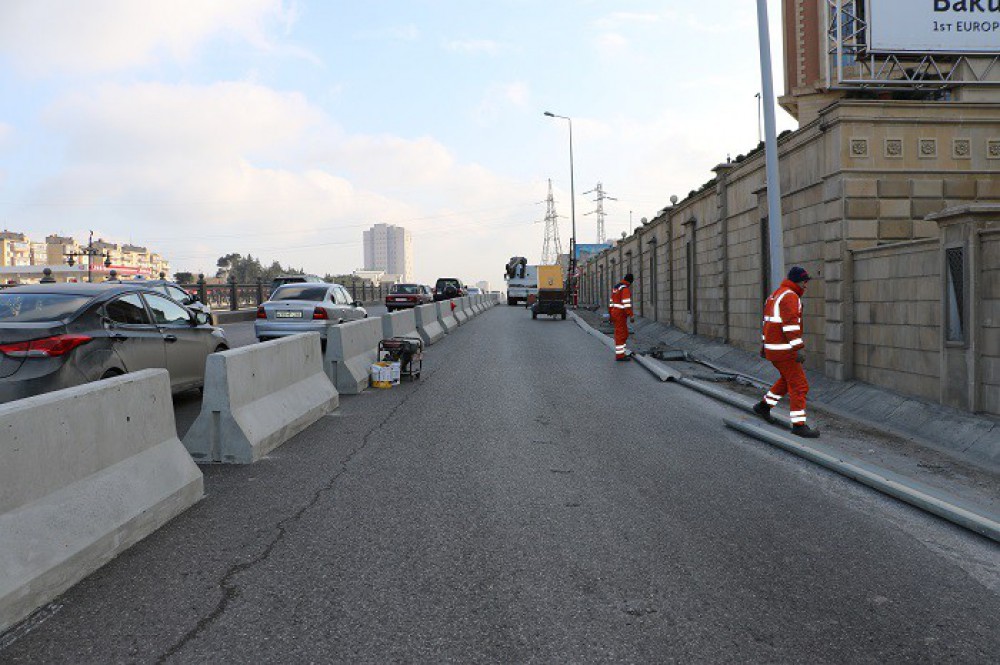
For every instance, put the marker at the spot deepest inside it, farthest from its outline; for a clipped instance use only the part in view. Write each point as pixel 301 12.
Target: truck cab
pixel 522 281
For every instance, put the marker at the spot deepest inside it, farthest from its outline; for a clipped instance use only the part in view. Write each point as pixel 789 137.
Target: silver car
pixel 308 307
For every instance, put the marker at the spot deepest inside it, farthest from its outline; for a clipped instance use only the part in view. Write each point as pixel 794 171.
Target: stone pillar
pixel 962 321
pixel 722 183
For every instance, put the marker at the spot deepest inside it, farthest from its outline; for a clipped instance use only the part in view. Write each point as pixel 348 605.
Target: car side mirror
pixel 200 318
pixel 356 303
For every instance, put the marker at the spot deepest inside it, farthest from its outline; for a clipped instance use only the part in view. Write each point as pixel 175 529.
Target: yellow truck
pixel 551 298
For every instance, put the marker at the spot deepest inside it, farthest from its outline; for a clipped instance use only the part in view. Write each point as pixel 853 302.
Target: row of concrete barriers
pixel 87 472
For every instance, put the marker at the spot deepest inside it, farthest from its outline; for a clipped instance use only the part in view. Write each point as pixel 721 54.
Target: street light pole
pixel 774 222
pixel 572 208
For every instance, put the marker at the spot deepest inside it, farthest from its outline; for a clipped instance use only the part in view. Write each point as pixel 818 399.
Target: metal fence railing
pixel 234 296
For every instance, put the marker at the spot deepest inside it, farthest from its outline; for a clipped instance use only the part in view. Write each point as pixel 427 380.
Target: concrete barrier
pixel 258 397
pixel 399 324
pixel 445 316
pixel 478 304
pixel 351 348
pixel 461 315
pixel 428 326
pixel 85 473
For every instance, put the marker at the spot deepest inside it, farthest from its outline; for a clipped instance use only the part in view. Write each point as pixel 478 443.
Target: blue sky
pixel 284 128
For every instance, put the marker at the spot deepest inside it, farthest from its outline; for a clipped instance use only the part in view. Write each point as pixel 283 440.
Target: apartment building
pixel 389 248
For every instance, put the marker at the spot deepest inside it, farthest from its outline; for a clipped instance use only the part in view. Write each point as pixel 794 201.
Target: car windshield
pixel 405 288
pixel 445 283
pixel 304 292
pixel 36 307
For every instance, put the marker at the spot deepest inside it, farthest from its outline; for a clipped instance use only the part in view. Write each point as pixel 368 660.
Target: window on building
pixel 955 304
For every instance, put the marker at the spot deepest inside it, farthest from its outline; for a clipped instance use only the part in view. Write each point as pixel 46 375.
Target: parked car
pixel 177 292
pixel 281 280
pixel 310 307
pixel 447 288
pixel 55 336
pixel 402 296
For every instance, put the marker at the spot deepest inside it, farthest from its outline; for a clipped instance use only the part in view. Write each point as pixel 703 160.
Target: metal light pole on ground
pixel 774 222
pixel 572 207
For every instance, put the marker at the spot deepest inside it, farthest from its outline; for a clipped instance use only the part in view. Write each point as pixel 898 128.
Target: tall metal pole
pixel 572 207
pixel 774 222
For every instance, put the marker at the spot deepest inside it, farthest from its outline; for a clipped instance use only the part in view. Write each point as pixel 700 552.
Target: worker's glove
pixel 632 320
pixel 800 358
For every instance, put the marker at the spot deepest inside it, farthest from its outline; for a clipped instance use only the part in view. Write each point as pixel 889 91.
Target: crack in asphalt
pixel 231 591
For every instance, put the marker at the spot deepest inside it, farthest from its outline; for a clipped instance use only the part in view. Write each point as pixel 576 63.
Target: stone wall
pixel 897 317
pixel 989 316
pixel 863 175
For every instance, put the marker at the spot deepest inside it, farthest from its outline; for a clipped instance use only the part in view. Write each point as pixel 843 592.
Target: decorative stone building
pixel 890 203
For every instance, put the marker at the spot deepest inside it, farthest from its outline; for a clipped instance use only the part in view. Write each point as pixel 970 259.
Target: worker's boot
pixel 625 358
pixel 763 410
pixel 805 431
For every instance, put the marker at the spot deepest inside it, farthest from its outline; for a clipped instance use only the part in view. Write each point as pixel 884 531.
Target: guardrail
pixel 234 296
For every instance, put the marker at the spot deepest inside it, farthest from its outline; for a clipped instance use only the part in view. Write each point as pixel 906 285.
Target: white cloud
pixel 198 171
pixel 46 36
pixel 615 20
pixel 500 97
pixel 474 46
pixel 612 42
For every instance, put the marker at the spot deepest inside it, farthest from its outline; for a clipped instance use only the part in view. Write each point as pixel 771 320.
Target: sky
pixel 284 128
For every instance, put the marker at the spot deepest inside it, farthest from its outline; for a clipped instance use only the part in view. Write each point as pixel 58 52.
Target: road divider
pixel 428 326
pixel 85 473
pixel 351 348
pixel 445 316
pixel 461 314
pixel 399 324
pixel 477 304
pixel 258 397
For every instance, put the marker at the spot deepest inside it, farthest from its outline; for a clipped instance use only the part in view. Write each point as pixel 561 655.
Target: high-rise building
pixel 389 248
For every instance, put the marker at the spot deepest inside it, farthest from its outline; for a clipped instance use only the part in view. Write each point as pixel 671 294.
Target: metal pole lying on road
pixel 774 223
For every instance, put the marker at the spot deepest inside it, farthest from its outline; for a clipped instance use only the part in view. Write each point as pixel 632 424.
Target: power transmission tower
pixel 553 246
pixel 601 198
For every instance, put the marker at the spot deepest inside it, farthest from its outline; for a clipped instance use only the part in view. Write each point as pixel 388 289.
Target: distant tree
pixel 184 277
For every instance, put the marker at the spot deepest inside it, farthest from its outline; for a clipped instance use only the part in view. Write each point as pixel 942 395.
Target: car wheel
pixel 534 315
pixel 221 347
pixel 563 316
pixel 511 302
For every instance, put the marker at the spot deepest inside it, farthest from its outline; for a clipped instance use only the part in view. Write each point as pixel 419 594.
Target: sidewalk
pixel 940 448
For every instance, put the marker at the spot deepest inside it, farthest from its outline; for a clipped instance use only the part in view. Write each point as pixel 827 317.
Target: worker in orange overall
pixel 783 346
pixel 621 312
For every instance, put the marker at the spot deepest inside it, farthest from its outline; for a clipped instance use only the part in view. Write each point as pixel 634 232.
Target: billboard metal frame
pixel 850 65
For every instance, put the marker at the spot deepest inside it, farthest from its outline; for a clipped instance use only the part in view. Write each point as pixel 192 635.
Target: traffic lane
pixel 531 500
pixel 536 501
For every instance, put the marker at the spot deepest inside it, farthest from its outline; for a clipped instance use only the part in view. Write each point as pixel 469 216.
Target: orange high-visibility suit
pixel 621 311
pixel 782 344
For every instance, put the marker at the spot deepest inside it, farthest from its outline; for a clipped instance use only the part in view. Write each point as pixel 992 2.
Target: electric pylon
pixel 552 247
pixel 601 198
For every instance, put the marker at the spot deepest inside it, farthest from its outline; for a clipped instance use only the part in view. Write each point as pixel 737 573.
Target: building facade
pixel 25 259
pixel 389 248
pixel 891 200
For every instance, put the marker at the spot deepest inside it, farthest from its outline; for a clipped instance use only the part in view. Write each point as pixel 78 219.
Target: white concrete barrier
pixel 478 304
pixel 428 326
pixel 461 315
pixel 258 397
pixel 85 473
pixel 399 324
pixel 351 348
pixel 445 316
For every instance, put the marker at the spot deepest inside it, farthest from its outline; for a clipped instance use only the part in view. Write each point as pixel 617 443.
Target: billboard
pixel 933 26
pixel 585 252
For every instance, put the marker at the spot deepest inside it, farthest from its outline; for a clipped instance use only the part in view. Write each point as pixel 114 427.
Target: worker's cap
pixel 798 274
pixel 628 278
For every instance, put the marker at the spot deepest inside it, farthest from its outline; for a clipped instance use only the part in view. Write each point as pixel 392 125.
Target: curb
pixel 878 479
pixel 658 369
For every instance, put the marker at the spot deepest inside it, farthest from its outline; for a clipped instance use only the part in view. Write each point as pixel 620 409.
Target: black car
pixel 55 336
pixel 447 288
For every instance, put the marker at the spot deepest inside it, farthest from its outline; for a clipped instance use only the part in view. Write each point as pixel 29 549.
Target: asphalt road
pixel 532 501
